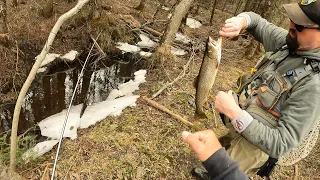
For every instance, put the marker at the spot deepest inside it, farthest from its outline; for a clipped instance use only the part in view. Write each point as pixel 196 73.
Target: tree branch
pixel 183 73
pixel 166 110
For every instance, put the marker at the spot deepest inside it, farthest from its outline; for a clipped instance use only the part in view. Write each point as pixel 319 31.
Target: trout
pixel 207 75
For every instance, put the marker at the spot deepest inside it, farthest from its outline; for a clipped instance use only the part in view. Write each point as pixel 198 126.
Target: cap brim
pixel 296 15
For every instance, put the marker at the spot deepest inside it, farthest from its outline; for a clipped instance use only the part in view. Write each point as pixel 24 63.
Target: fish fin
pixel 195 82
pixel 197 116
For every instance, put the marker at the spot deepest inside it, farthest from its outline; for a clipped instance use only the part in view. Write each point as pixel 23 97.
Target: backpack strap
pixel 295 75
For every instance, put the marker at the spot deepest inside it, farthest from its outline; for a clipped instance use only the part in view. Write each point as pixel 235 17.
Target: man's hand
pixel 226 104
pixel 233 27
pixel 203 143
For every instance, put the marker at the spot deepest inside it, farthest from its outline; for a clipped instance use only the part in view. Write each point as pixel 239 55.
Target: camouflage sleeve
pixel 270 35
pixel 299 113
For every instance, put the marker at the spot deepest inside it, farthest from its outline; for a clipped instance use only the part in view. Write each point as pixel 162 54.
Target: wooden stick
pixel 152 31
pixel 166 110
pixel 296 172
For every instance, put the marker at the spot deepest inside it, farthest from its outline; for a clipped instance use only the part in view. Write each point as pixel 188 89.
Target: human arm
pixel 270 35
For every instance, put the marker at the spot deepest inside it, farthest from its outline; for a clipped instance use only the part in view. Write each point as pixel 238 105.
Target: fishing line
pixel 67 115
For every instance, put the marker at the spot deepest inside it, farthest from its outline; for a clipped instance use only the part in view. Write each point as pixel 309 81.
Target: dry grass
pixel 144 143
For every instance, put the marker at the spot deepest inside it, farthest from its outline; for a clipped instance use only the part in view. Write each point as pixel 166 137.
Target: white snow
pixel 145 54
pixel 68 83
pixel 40 149
pixel 99 111
pixel 51 127
pixel 182 38
pixel 125 47
pixel 192 23
pixel 146 42
pixel 178 51
pixel 70 56
pixel 165 8
pixel 41 70
pixel 49 58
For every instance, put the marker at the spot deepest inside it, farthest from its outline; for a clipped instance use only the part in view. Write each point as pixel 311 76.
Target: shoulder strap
pixel 299 73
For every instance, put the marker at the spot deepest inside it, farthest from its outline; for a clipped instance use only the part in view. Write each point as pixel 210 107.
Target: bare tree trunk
pixel 238 7
pixel 4 37
pixel 31 76
pixel 140 7
pixel 224 5
pixel 212 12
pixel 180 12
pixel 47 10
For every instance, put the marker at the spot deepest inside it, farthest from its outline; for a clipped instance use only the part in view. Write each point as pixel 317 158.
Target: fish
pixel 207 74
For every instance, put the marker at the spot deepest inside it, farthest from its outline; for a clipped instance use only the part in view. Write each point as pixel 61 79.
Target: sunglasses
pixel 300 28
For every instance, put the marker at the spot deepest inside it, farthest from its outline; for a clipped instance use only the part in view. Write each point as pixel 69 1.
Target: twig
pixel 44 173
pixel 183 73
pixel 296 172
pixel 98 47
pixel 166 110
pixel 152 31
pixel 15 73
pixel 28 130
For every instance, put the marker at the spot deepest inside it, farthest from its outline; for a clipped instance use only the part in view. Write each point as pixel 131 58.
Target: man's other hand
pixel 203 143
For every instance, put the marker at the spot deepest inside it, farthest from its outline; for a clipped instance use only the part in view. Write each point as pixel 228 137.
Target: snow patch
pixel 145 54
pixel 165 8
pixel 125 47
pixel 178 51
pixel 182 38
pixel 146 42
pixel 49 58
pixel 40 149
pixel 192 23
pixel 117 100
pixel 70 56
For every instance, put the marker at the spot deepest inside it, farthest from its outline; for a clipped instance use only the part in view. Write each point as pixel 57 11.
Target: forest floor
pixel 142 143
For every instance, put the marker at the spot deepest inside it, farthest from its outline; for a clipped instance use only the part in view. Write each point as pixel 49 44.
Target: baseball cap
pixel 305 13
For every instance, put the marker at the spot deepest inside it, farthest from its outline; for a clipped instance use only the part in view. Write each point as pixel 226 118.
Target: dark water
pixel 52 90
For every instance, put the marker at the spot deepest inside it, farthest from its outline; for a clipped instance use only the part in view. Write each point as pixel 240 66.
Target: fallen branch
pixel 166 110
pixel 296 172
pixel 152 31
pixel 31 76
pixel 182 74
